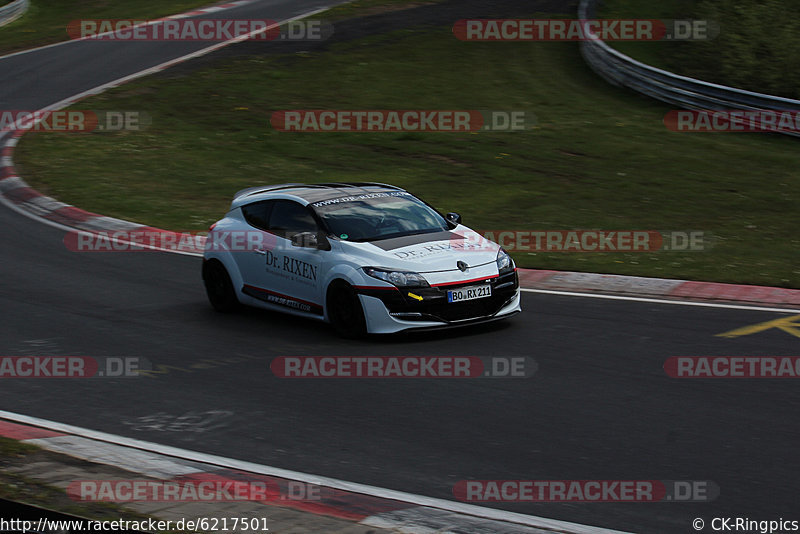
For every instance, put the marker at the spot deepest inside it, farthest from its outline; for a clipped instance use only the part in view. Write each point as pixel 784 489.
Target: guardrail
pixel 690 93
pixel 12 11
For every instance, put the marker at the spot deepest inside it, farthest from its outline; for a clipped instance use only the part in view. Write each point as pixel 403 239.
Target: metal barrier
pixel 12 11
pixel 689 93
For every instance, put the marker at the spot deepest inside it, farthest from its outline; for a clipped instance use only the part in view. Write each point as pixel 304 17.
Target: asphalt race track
pixel 599 407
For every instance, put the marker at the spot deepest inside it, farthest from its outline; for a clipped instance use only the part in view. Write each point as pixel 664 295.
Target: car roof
pixel 308 193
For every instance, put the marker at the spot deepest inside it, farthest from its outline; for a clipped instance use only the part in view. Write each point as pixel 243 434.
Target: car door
pixel 294 273
pixel 252 250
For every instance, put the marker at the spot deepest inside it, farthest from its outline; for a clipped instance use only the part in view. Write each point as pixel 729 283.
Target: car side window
pixel 289 218
pixel 257 214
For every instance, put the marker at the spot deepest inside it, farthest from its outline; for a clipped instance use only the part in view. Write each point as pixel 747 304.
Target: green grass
pixel 656 53
pixel 754 46
pixel 46 21
pixel 14 448
pixel 599 158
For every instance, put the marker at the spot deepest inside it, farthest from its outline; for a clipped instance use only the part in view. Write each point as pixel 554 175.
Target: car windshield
pixel 375 216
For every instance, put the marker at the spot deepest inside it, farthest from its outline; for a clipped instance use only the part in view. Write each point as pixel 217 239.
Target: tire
pixel 345 312
pixel 219 287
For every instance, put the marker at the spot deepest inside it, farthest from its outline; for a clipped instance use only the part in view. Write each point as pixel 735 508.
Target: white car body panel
pixel 295 280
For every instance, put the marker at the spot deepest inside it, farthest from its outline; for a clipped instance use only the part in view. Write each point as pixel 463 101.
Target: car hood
pixel 435 254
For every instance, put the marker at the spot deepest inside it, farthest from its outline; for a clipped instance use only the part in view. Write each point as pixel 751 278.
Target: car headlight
pixel 397 278
pixel 504 262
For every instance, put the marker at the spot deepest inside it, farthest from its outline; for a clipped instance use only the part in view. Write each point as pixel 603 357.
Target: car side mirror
pixel 453 218
pixel 310 240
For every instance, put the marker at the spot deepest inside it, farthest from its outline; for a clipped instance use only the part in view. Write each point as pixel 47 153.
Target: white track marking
pixel 207 50
pixel 662 301
pixel 65 228
pixel 442 504
pixel 162 66
pixel 203 10
pixel 183 454
pixel 456 507
pixel 133 460
pixel 100 88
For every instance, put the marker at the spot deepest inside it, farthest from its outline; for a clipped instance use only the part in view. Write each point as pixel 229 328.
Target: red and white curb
pixel 16 190
pixel 13 189
pixel 17 194
pixel 664 288
pixel 367 505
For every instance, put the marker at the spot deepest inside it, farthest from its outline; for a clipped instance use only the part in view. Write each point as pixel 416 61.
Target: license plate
pixel 469 293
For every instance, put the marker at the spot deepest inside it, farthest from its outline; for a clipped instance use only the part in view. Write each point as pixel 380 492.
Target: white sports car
pixel 366 257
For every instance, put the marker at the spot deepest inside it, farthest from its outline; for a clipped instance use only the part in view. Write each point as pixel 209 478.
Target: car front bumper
pixel 395 310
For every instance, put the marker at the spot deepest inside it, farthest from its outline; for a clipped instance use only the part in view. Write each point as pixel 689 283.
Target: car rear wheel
pixel 345 311
pixel 219 287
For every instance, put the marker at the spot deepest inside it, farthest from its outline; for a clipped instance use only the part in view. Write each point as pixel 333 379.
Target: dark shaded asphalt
pixel 36 79
pixel 600 406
